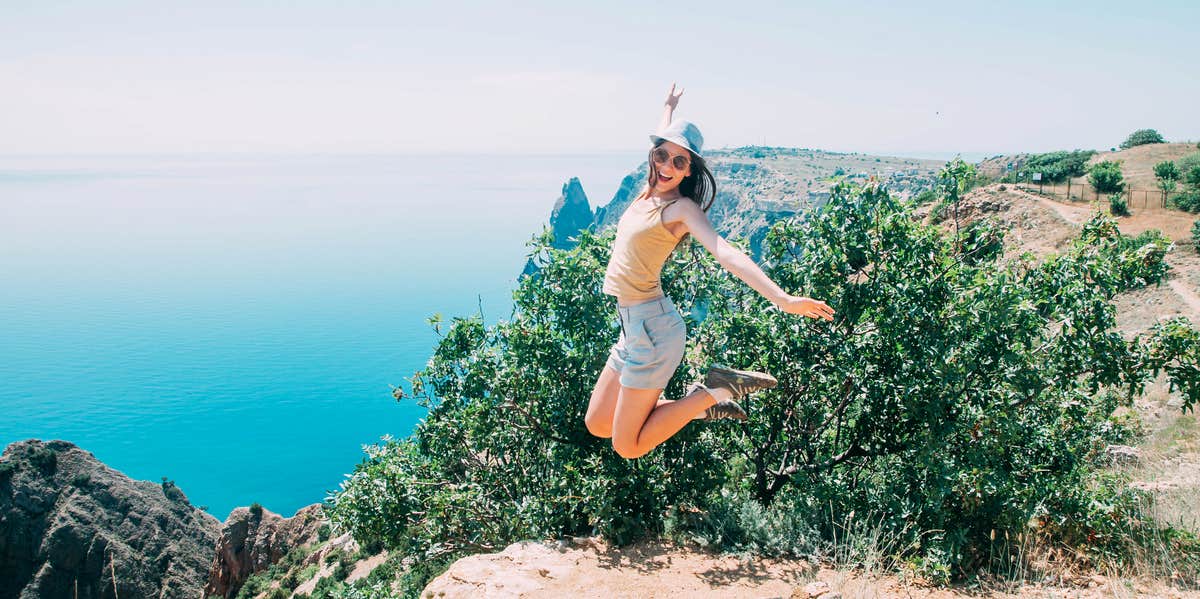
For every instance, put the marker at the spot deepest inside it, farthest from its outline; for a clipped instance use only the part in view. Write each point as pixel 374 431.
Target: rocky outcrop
pixel 252 539
pixel 72 527
pixel 571 214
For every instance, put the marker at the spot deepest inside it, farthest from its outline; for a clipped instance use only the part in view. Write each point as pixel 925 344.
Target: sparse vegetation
pixel 1105 177
pixel 1117 204
pixel 44 459
pixel 1141 137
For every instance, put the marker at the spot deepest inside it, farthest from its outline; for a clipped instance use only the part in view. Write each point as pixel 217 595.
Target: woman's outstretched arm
pixel 738 263
pixel 669 107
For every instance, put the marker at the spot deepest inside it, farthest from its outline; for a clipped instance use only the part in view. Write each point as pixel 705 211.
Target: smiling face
pixel 668 173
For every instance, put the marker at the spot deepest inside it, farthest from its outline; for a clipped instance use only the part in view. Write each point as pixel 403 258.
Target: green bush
pixel 1166 170
pixel 1196 235
pixel 1106 177
pixel 1192 177
pixel 256 510
pixel 1187 163
pixel 1054 166
pixel 1141 137
pixel 1167 173
pixel 926 196
pixel 1117 204
pixel 953 395
pixel 1188 202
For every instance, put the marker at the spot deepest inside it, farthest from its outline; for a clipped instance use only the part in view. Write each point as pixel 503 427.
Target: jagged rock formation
pixel 252 539
pixel 571 214
pixel 72 527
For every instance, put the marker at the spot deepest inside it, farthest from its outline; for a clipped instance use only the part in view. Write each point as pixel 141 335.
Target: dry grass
pixel 1137 163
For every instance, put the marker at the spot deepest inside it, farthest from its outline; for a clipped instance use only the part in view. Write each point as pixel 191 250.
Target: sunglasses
pixel 661 156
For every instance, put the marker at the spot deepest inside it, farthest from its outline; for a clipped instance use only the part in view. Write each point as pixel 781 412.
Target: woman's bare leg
pixel 603 404
pixel 641 422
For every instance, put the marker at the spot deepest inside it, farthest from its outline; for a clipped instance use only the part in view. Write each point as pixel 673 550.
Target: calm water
pixel 235 324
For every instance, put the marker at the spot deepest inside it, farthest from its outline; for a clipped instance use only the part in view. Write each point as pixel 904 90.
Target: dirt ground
pixel 589 569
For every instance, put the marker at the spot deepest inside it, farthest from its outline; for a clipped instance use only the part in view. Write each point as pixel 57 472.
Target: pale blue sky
pixel 301 77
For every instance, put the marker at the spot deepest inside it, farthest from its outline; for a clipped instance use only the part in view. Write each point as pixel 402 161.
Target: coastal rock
pixel 72 527
pixel 252 539
pixel 571 214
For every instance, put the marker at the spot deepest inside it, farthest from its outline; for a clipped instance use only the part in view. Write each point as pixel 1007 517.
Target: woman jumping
pixel 627 402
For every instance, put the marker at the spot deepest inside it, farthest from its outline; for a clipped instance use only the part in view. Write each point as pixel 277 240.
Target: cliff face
pixel 252 539
pixel 571 214
pixel 72 527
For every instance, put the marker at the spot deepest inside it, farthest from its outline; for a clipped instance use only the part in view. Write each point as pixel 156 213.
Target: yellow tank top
pixel 639 252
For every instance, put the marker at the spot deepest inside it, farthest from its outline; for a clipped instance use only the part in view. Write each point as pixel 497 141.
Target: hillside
pixel 1167 464
pixel 1137 166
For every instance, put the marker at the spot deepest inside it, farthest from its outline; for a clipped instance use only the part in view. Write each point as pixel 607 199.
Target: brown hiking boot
pixel 725 409
pixel 721 410
pixel 739 382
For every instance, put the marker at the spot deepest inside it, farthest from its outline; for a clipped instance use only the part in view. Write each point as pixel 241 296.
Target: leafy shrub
pixel 1055 166
pixel 1196 235
pixel 1167 173
pixel 925 197
pixel 1141 137
pixel 323 533
pixel 1187 163
pixel 1117 204
pixel 953 395
pixel 1106 177
pixel 171 491
pixel 1188 202
pixel 256 510
pixel 7 467
pixel 1192 177
pixel 1166 170
pixel 81 480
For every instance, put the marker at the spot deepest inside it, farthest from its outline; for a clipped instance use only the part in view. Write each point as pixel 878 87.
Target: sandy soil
pixel 589 569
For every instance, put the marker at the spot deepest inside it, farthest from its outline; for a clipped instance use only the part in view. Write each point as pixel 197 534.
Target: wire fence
pixel 1082 191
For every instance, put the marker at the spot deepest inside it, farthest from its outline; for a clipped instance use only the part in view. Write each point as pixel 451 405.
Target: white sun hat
pixel 683 133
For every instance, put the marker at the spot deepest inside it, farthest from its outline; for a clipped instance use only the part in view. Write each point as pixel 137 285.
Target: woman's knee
pixel 598 425
pixel 626 447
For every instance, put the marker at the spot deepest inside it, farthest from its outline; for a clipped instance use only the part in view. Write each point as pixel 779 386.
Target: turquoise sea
pixel 236 323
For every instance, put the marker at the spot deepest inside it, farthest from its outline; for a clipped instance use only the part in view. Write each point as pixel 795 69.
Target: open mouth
pixel 663 178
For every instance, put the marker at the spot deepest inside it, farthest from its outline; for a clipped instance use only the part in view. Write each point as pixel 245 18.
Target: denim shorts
pixel 653 336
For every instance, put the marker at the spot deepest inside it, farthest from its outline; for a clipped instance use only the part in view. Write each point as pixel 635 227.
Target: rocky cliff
pixel 72 527
pixel 252 539
pixel 571 214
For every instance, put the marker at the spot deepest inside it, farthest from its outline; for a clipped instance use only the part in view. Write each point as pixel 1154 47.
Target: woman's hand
pixel 672 97
pixel 806 306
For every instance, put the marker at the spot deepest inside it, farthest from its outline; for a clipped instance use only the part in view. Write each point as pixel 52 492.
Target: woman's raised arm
pixel 669 107
pixel 738 263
